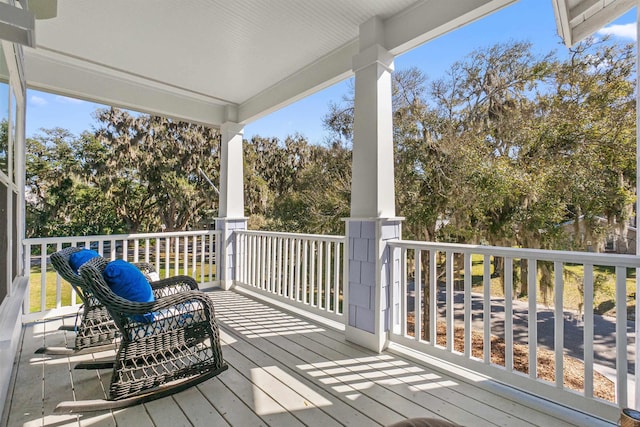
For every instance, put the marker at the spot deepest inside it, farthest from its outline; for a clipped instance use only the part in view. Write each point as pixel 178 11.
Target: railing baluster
pixel 403 292
pixel 147 248
pixel 394 286
pixel 588 330
pixel 508 313
pixel 327 276
pixel 318 297
pixel 157 255
pixel 313 259
pixel 26 304
pixel 277 272
pixel 43 277
pixel 269 258
pixel 450 319
pixel 292 267
pixel 201 244
pixel 559 323
pixel 284 262
pixel 336 278
pixel 263 259
pixel 185 259
pixel 532 317
pixel 305 272
pixel 254 257
pixel 468 332
pixel 194 256
pixel 433 297
pixel 486 308
pixel 621 337
pixel 299 270
pixel 58 282
pixel 417 297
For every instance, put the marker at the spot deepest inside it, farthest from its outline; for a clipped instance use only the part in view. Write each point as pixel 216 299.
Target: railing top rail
pixel 632 261
pixel 324 237
pixel 113 237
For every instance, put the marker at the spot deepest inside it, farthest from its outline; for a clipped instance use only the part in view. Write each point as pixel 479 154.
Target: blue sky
pixel 527 20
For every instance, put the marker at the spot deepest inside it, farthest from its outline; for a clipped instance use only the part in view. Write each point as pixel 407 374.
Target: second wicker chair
pixel 95 329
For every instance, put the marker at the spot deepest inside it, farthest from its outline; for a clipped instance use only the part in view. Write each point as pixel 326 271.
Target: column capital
pixel 232 128
pixel 375 54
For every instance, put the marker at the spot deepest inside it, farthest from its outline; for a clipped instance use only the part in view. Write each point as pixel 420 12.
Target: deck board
pixel 198 409
pixel 284 370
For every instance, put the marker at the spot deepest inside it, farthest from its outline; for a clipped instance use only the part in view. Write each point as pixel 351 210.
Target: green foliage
pixel 151 166
pixel 296 186
pixel 60 201
pixel 132 174
pixel 508 145
pixel 503 149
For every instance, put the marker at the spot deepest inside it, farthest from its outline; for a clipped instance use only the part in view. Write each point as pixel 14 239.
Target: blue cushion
pixel 77 259
pixel 128 282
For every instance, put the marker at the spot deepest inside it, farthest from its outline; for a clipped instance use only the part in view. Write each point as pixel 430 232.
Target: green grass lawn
pixel 604 287
pixel 604 293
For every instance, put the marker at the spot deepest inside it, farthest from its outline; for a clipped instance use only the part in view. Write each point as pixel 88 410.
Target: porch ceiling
pixel 578 19
pixel 210 61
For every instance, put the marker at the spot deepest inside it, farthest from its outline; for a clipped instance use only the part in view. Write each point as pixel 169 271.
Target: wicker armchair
pixel 176 347
pixel 96 328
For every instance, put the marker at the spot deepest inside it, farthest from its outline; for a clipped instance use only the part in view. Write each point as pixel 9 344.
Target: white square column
pixel 231 210
pixel 373 220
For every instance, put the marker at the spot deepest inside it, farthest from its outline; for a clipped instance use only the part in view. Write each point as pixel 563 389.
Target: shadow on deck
pixel 284 370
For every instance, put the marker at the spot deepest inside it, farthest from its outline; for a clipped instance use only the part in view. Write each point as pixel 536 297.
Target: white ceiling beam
pixel 562 21
pixel 610 13
pixel 403 32
pixel 583 9
pixel 433 18
pixel 49 75
pixel 17 25
pixel 321 74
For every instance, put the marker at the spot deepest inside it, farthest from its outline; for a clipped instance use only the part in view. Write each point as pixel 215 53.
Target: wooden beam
pixel 17 25
pixel 600 19
pixel 583 9
pixel 431 19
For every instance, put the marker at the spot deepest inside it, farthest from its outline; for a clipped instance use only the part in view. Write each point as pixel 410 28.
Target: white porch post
pixel 637 321
pixel 231 210
pixel 372 220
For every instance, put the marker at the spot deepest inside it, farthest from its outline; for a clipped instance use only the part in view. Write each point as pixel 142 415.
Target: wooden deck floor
pixel 283 371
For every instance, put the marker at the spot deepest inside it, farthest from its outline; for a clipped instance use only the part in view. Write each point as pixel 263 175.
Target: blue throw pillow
pixel 77 259
pixel 128 282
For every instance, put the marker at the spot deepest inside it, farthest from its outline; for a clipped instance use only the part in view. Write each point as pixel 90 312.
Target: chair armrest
pixel 130 308
pixel 164 287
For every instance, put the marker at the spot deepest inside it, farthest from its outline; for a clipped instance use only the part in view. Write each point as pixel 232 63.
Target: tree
pixel 60 201
pixel 151 166
pixel 297 186
pixel 588 134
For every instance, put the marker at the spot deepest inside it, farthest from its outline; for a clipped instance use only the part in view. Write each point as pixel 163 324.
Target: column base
pixel 374 342
pixel 368 271
pixel 226 250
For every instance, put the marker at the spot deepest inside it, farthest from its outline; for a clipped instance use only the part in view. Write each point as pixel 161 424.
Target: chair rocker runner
pixel 166 345
pixel 96 330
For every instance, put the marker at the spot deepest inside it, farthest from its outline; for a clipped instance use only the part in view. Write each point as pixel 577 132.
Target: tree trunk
pixel 426 299
pixel 524 278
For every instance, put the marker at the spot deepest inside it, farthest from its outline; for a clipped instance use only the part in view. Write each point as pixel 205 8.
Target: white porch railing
pixel 186 252
pixel 431 300
pixel 433 297
pixel 306 270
